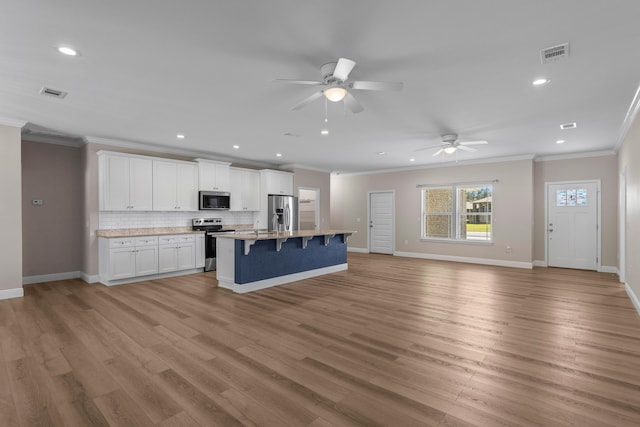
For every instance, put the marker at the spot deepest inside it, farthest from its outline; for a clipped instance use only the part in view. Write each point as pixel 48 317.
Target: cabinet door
pixel 251 191
pixel 167 258
pixel 200 239
pixel 121 263
pixel 236 189
pixel 187 187
pixel 141 184
pixel 286 184
pixel 186 256
pixel 115 183
pixel 165 185
pixel 223 178
pixel 146 260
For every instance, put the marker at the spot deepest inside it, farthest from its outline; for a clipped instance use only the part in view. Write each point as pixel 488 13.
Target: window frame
pixel 456 214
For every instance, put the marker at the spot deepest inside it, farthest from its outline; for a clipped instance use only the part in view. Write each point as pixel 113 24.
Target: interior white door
pixel 572 228
pixel 381 223
pixel 308 209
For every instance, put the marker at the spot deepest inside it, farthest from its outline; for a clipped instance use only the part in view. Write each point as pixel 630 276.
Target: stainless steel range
pixel 212 227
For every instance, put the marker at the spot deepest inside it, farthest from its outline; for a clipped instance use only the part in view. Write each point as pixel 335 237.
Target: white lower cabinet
pixel 177 253
pixel 126 258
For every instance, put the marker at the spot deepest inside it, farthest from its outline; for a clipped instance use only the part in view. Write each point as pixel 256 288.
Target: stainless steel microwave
pixel 214 200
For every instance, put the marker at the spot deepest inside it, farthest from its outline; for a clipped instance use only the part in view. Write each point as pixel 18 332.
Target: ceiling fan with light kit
pixel 450 145
pixel 336 86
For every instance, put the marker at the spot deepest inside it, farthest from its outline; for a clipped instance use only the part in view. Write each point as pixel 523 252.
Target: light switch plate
pixel 37 202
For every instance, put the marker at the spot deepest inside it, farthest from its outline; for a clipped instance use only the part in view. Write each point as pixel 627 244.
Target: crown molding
pixel 163 149
pixel 310 168
pixel 442 165
pixel 580 155
pixel 629 118
pixel 48 139
pixel 16 123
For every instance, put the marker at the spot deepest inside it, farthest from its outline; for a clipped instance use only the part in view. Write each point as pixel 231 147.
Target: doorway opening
pixel 308 208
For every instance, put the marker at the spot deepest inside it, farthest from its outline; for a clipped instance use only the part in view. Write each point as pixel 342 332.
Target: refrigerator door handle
pixel 287 216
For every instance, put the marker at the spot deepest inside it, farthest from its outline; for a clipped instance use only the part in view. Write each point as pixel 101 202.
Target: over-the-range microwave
pixel 214 200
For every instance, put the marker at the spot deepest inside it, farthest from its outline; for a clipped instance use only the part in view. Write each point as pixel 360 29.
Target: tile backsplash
pixel 139 219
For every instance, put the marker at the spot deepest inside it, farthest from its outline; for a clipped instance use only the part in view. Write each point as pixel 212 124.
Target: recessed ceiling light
pixel 324 132
pixel 180 136
pixel 560 141
pixel 381 153
pixel 279 155
pixel 236 147
pixel 540 81
pixel 67 51
pixel 412 160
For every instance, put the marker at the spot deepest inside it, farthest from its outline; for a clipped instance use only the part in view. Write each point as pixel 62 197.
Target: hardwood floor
pixel 392 341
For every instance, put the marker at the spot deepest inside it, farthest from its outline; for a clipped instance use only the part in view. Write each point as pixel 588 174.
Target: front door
pixel 381 223
pixel 572 227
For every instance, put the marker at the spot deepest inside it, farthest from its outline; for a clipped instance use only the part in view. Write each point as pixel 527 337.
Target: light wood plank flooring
pixel 392 341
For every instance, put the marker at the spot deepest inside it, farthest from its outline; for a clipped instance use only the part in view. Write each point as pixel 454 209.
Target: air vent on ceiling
pixel 568 126
pixel 53 92
pixel 554 53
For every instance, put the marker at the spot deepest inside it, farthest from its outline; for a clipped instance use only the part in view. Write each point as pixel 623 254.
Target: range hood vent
pixel 554 53
pixel 53 92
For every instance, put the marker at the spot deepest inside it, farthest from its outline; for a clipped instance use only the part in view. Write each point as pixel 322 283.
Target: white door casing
pixel 572 225
pixel 381 222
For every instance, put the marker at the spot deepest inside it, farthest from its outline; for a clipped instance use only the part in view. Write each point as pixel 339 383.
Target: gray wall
pixel 628 162
pixel 513 208
pixel 605 169
pixel 315 179
pixel 51 233
pixel 10 212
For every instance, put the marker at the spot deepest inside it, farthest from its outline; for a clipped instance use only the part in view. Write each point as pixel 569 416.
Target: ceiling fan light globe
pixel 450 150
pixel 335 94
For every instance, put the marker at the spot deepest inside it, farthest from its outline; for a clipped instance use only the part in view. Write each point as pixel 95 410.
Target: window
pixel 457 212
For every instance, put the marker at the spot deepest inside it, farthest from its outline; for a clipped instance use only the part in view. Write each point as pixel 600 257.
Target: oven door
pixel 209 252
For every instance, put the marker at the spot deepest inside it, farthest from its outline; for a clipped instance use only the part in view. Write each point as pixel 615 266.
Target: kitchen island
pixel 251 261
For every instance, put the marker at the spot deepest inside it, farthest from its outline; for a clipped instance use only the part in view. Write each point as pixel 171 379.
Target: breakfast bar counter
pixel 249 261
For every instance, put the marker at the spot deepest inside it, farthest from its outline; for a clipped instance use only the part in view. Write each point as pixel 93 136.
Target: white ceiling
pixel 150 69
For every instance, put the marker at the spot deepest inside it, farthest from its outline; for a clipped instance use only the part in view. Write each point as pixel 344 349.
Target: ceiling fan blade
pixel 426 148
pixel 298 82
pixel 307 100
pixel 364 85
pixel 464 148
pixel 343 68
pixel 473 143
pixel 352 104
pixel 438 152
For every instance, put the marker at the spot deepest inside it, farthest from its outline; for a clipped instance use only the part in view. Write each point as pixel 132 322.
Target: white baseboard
pixel 539 263
pixel 29 280
pixel 11 293
pixel 633 297
pixel 608 269
pixel 89 279
pixel 469 260
pixel 359 250
pixel 281 280
pixel 150 277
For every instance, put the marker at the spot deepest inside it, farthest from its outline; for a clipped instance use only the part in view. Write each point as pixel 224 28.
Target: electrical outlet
pixel 357 219
pixel 37 202
pixel 508 249
pixel 406 242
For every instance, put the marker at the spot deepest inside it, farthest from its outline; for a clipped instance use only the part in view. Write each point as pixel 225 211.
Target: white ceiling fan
pixel 336 87
pixel 450 145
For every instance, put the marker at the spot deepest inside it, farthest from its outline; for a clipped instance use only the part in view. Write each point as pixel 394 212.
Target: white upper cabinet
pixel 125 182
pixel 245 190
pixel 276 182
pixel 213 176
pixel 175 186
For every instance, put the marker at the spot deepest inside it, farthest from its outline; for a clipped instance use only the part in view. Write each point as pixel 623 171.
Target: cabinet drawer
pixel 163 240
pixel 186 238
pixel 122 242
pixel 147 241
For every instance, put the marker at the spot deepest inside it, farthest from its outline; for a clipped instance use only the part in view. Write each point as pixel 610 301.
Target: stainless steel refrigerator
pixel 282 213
